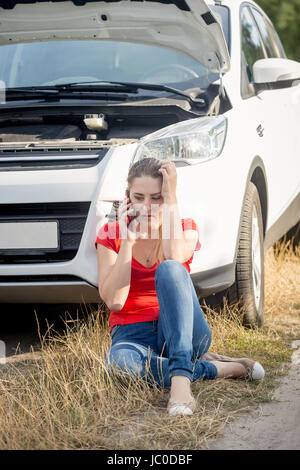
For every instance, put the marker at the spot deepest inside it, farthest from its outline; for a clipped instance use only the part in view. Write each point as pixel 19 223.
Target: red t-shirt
pixel 142 303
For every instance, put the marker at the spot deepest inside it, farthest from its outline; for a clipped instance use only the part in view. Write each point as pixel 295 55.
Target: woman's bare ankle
pixel 180 391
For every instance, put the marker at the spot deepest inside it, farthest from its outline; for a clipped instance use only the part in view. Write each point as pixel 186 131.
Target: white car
pixel 88 87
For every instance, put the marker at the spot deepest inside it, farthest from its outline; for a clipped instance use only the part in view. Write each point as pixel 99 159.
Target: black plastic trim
pixel 39 165
pixel 112 110
pixel 208 18
pixel 41 278
pixel 259 87
pixel 214 280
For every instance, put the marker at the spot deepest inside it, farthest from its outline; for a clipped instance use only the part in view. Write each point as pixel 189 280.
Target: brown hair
pixel 148 166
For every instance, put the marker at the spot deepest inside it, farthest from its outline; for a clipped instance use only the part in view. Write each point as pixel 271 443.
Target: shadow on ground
pixel 23 324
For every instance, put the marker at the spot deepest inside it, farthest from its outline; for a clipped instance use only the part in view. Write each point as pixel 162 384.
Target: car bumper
pixel 80 291
pixel 49 292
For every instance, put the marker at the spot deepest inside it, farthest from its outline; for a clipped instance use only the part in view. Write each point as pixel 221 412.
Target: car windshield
pixel 66 61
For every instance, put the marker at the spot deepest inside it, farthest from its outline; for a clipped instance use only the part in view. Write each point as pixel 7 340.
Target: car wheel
pixel 248 289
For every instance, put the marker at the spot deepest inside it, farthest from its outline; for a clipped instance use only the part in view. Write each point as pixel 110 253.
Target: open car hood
pixel 186 26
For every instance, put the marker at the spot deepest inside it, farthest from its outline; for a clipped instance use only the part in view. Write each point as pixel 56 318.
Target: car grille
pixel 15 159
pixel 71 217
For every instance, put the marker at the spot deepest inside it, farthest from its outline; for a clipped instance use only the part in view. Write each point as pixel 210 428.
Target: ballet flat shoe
pixel 187 408
pixel 255 370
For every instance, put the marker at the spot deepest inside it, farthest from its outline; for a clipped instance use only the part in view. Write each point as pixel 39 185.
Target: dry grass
pixel 65 400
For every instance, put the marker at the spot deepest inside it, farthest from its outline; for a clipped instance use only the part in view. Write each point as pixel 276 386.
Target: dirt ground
pixel 272 426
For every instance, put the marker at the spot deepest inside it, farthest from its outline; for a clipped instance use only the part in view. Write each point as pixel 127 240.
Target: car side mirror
pixel 275 73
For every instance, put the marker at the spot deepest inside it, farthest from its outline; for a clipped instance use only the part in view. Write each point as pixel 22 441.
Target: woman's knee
pixel 126 358
pixel 170 269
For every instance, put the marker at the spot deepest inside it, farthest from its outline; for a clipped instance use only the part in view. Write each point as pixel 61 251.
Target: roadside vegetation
pixel 61 397
pixel 285 15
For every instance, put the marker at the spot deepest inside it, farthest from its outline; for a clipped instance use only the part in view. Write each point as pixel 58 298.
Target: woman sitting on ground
pixel 158 329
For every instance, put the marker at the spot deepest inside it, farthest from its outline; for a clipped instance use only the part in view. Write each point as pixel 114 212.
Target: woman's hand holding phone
pixel 128 230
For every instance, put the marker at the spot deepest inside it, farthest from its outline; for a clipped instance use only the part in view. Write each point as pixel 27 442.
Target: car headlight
pixel 192 141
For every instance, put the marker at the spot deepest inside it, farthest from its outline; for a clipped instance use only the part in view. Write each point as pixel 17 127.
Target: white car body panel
pixel 277 111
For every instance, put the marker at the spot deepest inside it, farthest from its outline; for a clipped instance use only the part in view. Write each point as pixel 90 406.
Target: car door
pixel 276 113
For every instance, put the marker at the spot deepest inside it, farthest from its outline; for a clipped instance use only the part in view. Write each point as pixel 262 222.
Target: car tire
pixel 248 289
pixel 247 292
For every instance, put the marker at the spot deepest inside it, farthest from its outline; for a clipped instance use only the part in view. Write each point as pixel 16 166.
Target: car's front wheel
pixel 248 288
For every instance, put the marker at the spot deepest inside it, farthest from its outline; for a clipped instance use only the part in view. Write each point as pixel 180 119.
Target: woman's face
pixel 145 194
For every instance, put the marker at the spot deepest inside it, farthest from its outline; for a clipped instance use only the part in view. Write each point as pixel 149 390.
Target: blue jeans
pixel 173 344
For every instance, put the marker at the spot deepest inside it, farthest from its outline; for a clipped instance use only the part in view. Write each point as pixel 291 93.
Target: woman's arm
pixel 114 272
pixel 177 244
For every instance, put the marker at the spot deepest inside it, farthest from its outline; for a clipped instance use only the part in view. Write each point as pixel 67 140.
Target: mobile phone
pixel 130 217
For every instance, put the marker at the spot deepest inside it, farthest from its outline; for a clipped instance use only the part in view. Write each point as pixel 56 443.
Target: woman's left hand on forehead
pixel 168 170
